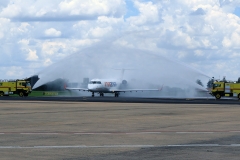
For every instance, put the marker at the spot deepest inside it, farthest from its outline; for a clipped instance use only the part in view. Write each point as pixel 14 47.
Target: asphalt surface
pixel 73 128
pixel 207 100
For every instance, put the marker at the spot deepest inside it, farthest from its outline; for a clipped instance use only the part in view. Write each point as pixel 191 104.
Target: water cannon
pixel 238 81
pixel 224 79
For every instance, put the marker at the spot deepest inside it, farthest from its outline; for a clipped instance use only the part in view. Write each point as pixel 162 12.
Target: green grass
pixel 48 93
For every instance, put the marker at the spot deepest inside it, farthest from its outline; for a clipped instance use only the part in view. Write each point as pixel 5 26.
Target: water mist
pixel 147 70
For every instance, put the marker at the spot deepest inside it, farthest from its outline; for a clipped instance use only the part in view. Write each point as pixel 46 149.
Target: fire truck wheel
pixel 217 96
pixel 239 96
pixel 1 93
pixel 21 94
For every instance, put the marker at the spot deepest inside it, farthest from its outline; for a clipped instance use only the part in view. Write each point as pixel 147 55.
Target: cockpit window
pixel 95 82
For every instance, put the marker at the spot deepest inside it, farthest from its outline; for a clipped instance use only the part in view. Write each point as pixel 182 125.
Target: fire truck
pixel 10 87
pixel 225 89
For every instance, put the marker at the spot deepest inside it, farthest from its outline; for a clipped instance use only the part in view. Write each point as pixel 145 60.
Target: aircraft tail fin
pixel 160 88
pixel 122 73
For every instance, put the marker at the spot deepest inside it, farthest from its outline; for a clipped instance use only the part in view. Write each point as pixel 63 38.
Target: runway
pixel 118 128
pixel 205 100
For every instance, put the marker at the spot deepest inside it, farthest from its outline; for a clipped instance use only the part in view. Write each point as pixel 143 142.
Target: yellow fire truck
pixel 225 89
pixel 20 87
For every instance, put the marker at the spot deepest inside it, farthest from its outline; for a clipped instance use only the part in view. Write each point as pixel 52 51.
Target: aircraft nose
pixel 93 86
pixel 90 86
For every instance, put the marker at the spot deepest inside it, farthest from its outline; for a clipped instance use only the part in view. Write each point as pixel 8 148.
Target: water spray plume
pixel 147 68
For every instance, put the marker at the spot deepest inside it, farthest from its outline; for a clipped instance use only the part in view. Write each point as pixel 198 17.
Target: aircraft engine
pixel 124 82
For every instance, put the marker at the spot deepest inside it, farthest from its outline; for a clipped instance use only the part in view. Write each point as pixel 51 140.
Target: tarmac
pixel 110 99
pixel 73 128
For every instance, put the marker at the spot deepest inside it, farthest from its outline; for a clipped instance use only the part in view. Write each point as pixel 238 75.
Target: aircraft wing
pixel 135 90
pixel 80 89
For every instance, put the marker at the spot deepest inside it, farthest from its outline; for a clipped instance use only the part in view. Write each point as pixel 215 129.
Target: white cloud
pixel 47 62
pixel 32 55
pixel 59 48
pixel 11 10
pixel 102 27
pixel 148 14
pixel 14 72
pixel 100 32
pixel 199 32
pixel 51 48
pixel 4 23
pixel 23 27
pixel 1 35
pixel 123 43
pixel 199 53
pixel 181 55
pixel 52 32
pixel 235 37
pixel 62 10
pixel 235 55
pixel 24 42
pixel 83 42
pixel 91 7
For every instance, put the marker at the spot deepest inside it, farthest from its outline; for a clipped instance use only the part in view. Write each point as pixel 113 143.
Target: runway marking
pixel 119 146
pixel 93 133
pixel 235 145
pixel 40 133
pixel 197 145
pixel 115 133
pixel 235 131
pixel 195 132
pixel 144 133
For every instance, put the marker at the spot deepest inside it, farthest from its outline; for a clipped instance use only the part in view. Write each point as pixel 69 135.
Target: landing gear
pixel 92 94
pixel 116 94
pixel 101 94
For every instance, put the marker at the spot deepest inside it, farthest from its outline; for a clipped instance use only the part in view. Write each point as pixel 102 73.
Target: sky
pixel 202 34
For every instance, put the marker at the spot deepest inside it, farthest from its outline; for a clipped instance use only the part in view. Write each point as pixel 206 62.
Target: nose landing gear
pixel 116 94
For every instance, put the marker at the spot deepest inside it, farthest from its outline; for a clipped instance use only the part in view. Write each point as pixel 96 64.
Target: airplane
pixel 114 86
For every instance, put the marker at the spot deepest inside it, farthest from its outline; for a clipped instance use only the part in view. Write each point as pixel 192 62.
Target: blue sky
pixel 237 11
pixel 131 9
pixel 203 34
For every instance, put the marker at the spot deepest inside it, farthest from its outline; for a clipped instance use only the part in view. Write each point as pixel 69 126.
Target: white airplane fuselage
pixel 104 85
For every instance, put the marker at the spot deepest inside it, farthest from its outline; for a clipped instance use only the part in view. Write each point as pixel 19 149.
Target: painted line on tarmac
pixel 114 133
pixel 93 133
pixel 235 131
pixel 40 133
pixel 195 132
pixel 144 133
pixel 119 146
